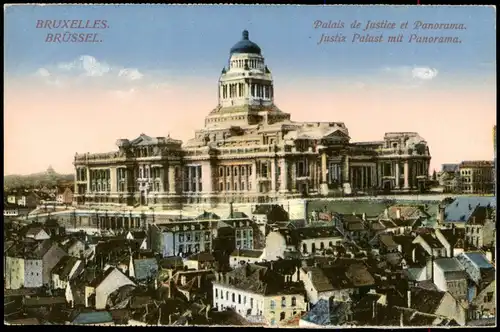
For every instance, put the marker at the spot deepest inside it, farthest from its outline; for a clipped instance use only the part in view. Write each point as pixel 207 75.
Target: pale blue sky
pixel 195 40
pixel 153 58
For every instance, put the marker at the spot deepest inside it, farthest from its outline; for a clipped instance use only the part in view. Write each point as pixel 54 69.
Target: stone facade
pixel 250 151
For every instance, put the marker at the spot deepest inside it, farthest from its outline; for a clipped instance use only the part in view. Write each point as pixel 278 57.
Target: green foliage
pixel 37 180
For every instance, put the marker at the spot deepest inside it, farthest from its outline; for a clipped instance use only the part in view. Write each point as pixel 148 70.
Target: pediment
pixel 143 139
pixel 336 134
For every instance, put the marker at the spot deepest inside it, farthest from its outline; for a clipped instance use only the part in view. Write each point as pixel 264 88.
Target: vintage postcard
pixel 280 166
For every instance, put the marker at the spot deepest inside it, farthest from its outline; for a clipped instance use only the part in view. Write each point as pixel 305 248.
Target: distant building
pixel 248 151
pixel 477 177
pixel 29 264
pixel 307 240
pixel 66 270
pixel 99 289
pixel 449 178
pixel 64 196
pixel 449 276
pixel 183 237
pixel 254 290
pixel 460 210
pixel 10 210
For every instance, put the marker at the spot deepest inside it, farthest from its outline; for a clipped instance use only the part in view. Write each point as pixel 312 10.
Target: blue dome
pixel 245 45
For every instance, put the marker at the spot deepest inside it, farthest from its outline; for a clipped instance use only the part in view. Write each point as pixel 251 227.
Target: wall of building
pixel 113 281
pixel 76 249
pixel 14 268
pixel 281 307
pixel 484 305
pixel 451 308
pixel 275 246
pixel 250 303
pixel 50 260
pixel 235 261
pixel 317 243
pixel 33 273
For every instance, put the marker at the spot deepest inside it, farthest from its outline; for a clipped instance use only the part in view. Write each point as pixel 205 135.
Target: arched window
pixel 283 302
pixel 322 246
pixel 282 315
pixel 313 248
pixel 294 301
pixel 221 171
pixel 304 248
pixel 272 305
pixel 227 296
pixel 233 297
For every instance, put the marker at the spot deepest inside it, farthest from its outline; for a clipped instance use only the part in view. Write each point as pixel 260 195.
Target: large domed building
pixel 250 151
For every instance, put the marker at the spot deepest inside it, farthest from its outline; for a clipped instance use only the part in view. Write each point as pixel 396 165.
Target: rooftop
pixel 478 259
pixel 461 209
pixel 247 253
pixel 449 264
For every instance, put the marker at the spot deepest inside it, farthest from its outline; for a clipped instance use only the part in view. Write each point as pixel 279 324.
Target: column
pixel 113 178
pixel 323 168
pixel 253 178
pixel 206 177
pixel 171 179
pixel 346 170
pixel 273 175
pixel 88 179
pixel 283 175
pixel 293 164
pixel 374 177
pixel 197 174
pixel 396 174
pixel 406 169
pixel 379 174
pixel 162 179
pixel 362 184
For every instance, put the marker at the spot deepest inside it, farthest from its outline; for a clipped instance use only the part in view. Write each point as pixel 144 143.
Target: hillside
pixel 48 178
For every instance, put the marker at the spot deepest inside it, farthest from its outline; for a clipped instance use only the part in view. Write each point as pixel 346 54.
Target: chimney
pixel 398 213
pixel 364 216
pixel 470 207
pixel 231 210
